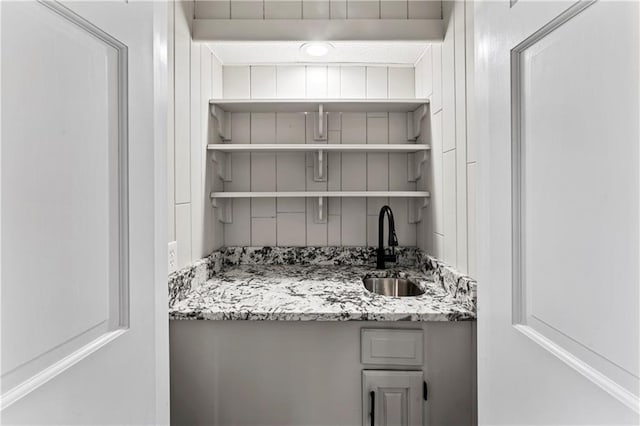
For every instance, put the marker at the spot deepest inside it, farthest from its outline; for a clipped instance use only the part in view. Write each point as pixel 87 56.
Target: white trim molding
pixel 428 30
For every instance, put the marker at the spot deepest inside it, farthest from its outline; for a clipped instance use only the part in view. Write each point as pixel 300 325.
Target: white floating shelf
pixel 313 105
pixel 225 147
pixel 329 194
pixel 221 109
pixel 223 201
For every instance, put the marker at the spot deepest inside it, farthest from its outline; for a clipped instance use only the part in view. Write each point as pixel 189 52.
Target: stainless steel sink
pixel 392 286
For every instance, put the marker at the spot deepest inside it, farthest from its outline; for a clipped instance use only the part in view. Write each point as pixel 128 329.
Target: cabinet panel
pixel 391 398
pixel 397 347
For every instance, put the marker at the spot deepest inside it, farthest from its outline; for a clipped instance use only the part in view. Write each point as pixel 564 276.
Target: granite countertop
pixel 325 284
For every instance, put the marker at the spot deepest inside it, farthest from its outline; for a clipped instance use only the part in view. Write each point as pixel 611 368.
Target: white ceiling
pixel 237 53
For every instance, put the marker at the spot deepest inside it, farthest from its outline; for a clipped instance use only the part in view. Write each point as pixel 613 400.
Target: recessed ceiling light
pixel 316 49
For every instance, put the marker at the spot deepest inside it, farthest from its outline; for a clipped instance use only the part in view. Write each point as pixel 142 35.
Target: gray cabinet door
pixel 391 398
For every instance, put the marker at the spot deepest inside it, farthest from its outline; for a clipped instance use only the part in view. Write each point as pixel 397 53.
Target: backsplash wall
pixel 289 222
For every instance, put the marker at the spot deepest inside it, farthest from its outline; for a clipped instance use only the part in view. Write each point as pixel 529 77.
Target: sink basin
pixel 392 286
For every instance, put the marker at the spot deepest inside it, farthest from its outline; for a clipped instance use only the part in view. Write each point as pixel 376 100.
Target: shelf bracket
pixel 320 166
pixel 320 210
pixel 414 122
pixel 222 120
pixel 414 165
pixel 320 124
pixel 224 209
pixel 415 208
pixel 223 164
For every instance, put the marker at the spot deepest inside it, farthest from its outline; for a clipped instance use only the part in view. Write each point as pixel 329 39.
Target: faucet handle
pixel 393 239
pixel 390 257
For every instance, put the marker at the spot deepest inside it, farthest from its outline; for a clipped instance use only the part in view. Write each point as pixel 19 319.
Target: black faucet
pixel 393 239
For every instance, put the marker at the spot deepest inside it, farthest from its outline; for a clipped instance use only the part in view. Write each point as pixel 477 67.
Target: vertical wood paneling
pixel 238 233
pixel 316 9
pixel 334 230
pixel 213 9
pixel 354 127
pixel 316 82
pixel 338 9
pixel 424 9
pixel 182 105
pixel 171 169
pixel 241 170
pixel 377 83
pixel 436 98
pixel 236 82
pixel 427 73
pixel 471 224
pixel 317 233
pixel 263 82
pixel 333 82
pixel 349 171
pixel 394 9
pixel 352 82
pixel 282 9
pixel 217 91
pixel 263 231
pixel 363 9
pixel 471 145
pixel 291 82
pixel 448 82
pixel 401 82
pixel 213 230
pixel 419 77
pixel 354 228
pixel 424 75
pixel 247 9
pixel 263 207
pixel 377 163
pixel 461 134
pixel 373 209
pixel 197 153
pixel 439 74
pixel 183 234
pixel 449 207
pixel 291 229
pixel 437 187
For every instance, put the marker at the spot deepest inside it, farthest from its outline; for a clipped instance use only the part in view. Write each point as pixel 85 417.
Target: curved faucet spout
pixel 393 239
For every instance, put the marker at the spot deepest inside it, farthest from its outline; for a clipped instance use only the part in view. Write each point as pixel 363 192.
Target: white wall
pixel 443 75
pixel 195 76
pixel 289 222
pixel 318 9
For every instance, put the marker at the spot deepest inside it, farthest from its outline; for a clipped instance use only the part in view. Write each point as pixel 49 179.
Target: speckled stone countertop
pixel 322 284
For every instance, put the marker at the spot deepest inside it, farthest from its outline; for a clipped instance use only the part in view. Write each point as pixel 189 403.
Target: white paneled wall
pixel 444 75
pixel 195 76
pixel 290 222
pixel 318 81
pixel 318 9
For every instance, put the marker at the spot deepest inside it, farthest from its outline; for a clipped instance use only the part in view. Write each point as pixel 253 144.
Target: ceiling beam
pixel 211 30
